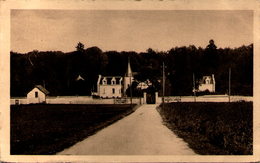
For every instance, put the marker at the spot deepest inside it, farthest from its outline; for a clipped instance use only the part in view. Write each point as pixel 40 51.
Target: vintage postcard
pixel 129 81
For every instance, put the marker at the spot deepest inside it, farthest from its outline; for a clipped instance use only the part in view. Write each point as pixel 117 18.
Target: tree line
pixel 58 71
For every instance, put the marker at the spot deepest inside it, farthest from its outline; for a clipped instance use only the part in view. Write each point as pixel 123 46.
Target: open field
pixel 48 129
pixel 212 128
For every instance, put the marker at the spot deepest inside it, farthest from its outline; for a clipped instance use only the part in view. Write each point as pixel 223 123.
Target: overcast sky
pixel 121 30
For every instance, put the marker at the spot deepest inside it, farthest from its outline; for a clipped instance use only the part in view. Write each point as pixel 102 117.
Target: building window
pixel 113 90
pixel 119 91
pixel 113 81
pixel 36 94
pixel 104 91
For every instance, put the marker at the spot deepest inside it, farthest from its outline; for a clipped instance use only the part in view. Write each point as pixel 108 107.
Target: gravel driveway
pixel 140 133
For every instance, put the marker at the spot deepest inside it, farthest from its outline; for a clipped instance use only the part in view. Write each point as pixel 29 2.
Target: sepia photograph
pixel 131 82
pixel 134 82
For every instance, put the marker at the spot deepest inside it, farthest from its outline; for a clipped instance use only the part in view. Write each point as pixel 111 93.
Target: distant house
pixel 207 83
pixel 144 85
pixel 80 86
pixel 37 95
pixel 79 78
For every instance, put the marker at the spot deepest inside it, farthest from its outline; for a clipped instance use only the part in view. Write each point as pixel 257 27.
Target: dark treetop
pixel 58 71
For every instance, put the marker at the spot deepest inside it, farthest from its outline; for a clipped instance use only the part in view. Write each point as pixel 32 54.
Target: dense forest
pixel 58 71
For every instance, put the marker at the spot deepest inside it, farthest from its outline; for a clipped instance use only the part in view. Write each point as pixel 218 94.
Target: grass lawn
pixel 48 129
pixel 212 128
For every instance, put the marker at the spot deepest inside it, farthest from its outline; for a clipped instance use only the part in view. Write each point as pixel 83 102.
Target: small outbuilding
pixel 37 95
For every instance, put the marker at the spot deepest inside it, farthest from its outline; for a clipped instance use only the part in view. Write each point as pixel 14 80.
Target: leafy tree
pixel 136 92
pixel 80 47
pixel 211 45
pixel 211 58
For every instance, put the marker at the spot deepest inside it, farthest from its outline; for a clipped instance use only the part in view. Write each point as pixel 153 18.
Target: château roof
pixel 109 79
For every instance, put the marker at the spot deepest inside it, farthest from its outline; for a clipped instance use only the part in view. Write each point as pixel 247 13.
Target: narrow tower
pixel 128 78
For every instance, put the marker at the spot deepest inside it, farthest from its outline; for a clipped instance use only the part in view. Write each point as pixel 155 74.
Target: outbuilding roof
pixel 41 88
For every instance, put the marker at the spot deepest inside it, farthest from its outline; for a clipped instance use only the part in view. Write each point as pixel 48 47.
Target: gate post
pixel 144 102
pixel 156 98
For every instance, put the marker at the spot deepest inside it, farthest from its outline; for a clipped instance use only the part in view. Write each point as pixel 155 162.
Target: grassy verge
pixel 212 128
pixel 48 129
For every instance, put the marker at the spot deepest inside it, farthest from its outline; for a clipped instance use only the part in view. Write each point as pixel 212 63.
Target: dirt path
pixel 141 133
